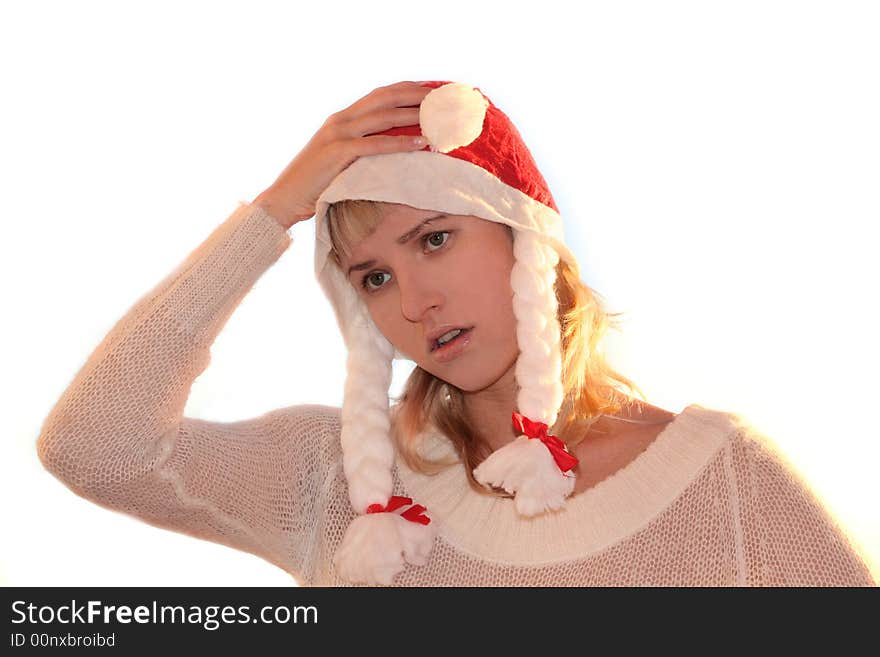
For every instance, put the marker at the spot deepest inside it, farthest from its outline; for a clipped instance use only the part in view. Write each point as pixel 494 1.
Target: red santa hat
pixel 475 163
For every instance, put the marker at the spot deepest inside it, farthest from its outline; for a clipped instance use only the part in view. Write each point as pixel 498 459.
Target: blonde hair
pixel 592 387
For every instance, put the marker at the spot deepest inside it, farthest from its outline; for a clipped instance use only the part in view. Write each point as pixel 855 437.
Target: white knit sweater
pixel 710 502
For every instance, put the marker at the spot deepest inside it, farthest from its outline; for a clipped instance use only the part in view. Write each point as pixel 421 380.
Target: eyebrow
pixel 403 239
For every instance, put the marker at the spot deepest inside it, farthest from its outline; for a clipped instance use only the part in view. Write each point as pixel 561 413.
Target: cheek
pixel 381 314
pixel 489 261
pixel 496 266
pixel 386 315
pixel 490 294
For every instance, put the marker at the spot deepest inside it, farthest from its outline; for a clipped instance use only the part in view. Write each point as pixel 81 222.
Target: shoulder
pixel 642 411
pixel 768 479
pixel 757 456
pixel 635 427
pixel 615 442
pixel 638 419
pixel 795 537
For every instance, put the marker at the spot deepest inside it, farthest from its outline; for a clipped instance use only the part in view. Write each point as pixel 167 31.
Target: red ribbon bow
pixel 413 514
pixel 565 460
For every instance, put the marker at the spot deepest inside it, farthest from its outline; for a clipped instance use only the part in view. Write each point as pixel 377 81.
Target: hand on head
pixel 344 136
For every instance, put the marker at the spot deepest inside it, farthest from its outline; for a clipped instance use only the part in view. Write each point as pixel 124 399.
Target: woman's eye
pixel 371 277
pixel 428 237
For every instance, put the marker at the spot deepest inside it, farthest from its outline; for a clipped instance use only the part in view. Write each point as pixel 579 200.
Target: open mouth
pixel 450 338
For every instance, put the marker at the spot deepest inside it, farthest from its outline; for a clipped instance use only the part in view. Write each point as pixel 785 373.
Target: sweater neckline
pixel 489 527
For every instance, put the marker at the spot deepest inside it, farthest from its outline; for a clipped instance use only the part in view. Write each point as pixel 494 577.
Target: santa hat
pixel 475 163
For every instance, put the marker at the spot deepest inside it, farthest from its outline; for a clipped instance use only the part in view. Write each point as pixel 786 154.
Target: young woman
pixel 515 455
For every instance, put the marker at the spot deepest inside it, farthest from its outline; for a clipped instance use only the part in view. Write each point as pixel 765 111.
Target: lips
pixel 453 349
pixel 437 333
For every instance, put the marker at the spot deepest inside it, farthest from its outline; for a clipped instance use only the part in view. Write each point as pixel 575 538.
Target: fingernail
pixel 419 141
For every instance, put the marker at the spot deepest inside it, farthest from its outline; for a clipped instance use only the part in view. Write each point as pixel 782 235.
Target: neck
pixel 490 410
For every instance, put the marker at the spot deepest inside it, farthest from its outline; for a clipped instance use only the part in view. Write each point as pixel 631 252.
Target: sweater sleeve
pixel 791 539
pixel 117 435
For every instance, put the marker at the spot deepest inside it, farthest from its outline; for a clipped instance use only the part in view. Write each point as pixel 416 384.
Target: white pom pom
pixel 526 468
pixel 452 116
pixel 377 545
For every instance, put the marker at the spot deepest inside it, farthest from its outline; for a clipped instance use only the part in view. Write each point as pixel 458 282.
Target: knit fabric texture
pixel 711 502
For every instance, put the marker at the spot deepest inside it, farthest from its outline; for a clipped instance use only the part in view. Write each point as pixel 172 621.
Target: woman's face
pixel 454 270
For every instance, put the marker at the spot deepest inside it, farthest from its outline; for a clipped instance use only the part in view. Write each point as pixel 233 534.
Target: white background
pixel 716 165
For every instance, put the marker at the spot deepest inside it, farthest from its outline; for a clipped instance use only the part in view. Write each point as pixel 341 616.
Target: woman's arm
pixel 118 437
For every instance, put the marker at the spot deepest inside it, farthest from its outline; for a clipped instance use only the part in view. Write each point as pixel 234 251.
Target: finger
pixel 378 144
pixel 404 84
pixel 393 96
pixel 381 120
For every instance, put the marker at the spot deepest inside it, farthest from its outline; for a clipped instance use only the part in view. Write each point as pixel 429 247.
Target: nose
pixel 418 294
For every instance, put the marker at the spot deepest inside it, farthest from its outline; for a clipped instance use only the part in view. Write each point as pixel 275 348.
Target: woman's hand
pixel 339 142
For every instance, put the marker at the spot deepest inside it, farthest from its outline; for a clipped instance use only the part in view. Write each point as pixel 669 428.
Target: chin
pixel 460 382
pixel 478 377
